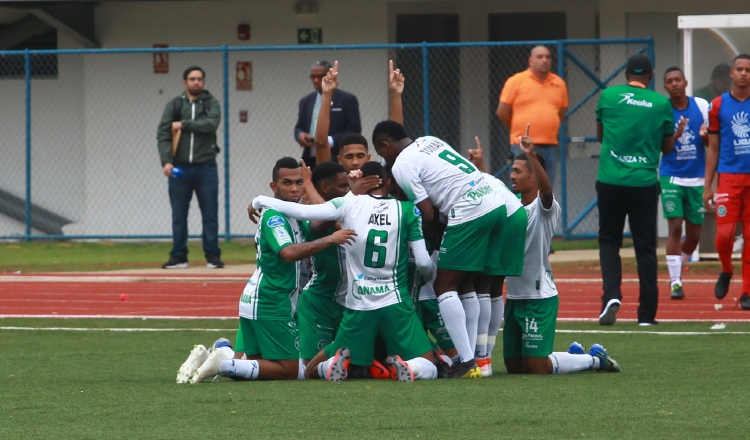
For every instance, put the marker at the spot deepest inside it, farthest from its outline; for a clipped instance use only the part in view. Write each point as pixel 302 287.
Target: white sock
pixel 446 359
pixel 485 314
pixel 228 352
pixel 422 368
pixel 239 368
pixel 674 264
pixel 454 319
pixel 496 319
pixel 301 370
pixel 323 368
pixel 685 257
pixel 564 363
pixel 470 304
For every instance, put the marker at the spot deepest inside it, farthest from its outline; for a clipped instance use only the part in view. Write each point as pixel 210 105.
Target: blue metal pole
pixel 652 57
pixel 426 88
pixel 227 204
pixel 27 79
pixel 563 142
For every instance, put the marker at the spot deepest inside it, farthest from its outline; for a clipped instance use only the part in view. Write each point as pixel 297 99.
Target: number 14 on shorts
pixel 531 325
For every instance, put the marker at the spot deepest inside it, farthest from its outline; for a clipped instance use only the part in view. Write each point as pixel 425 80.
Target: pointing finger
pixel 335 66
pixel 390 67
pixel 528 124
pixel 479 144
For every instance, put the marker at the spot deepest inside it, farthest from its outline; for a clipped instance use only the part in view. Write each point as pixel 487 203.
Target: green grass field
pixel 101 384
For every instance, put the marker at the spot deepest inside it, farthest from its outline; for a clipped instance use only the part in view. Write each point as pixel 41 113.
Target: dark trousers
pixel 203 178
pixel 640 205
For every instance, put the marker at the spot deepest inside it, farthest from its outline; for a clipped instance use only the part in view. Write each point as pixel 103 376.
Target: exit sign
pixel 310 36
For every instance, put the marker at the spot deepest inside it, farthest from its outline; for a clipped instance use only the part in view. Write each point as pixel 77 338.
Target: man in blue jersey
pixel 681 176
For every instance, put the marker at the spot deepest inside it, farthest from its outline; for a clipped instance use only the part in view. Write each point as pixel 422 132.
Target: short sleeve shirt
pixel 328 277
pixel 635 122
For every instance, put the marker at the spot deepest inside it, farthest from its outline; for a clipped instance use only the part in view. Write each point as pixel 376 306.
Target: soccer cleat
pixel 221 342
pixel 197 356
pixel 210 368
pixel 444 370
pixel 677 292
pixel 466 370
pixel 175 263
pixel 606 363
pixel 485 366
pixel 609 314
pixel 576 348
pixel 379 371
pixel 337 371
pixel 745 301
pixel 722 285
pixel 399 368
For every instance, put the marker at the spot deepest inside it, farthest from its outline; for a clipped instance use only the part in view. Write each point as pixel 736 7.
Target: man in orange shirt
pixel 539 97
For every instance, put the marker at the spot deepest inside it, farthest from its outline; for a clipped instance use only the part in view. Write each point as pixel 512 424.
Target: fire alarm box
pixel 243 31
pixel 161 60
pixel 244 75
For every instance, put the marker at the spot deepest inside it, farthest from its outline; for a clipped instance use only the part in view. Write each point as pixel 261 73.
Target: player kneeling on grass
pixel 531 307
pixel 377 298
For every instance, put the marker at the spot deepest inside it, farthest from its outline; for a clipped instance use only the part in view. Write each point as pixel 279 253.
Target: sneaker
pixel 722 285
pixel 485 366
pixel 745 301
pixel 609 314
pixel 400 369
pixel 197 356
pixel 576 348
pixel 214 262
pixel 466 370
pixel 606 363
pixel 444 369
pixel 337 371
pixel 175 263
pixel 379 371
pixel 648 323
pixel 677 292
pixel 210 368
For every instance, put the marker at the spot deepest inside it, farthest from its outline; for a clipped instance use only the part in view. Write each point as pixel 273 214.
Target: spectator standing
pixel 633 124
pixel 344 115
pixel 720 83
pixel 193 118
pixel 539 97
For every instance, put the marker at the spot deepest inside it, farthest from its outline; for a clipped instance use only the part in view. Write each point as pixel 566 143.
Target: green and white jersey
pixel 536 281
pixel 430 168
pixel 427 291
pixel 272 291
pixel 416 280
pixel 328 276
pixel 512 204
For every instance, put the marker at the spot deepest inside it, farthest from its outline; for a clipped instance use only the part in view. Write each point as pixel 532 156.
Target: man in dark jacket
pixel 192 119
pixel 344 116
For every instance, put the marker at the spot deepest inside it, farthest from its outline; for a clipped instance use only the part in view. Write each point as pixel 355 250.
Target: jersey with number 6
pixel 430 168
pixel 378 261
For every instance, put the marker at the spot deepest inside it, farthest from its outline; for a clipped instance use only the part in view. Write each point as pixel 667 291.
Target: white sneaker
pixel 739 243
pixel 197 356
pixel 209 368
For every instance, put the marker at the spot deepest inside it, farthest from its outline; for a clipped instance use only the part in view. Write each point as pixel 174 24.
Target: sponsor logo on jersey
pixel 741 126
pixel 628 159
pixel 275 221
pixel 281 235
pixel 687 136
pixel 474 195
pixel 380 206
pixel 627 98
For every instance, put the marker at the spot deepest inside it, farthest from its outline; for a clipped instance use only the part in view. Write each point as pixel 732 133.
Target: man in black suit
pixel 344 116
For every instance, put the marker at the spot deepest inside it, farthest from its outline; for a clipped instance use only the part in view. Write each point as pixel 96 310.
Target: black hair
pixel 285 162
pixel 392 129
pixel 323 63
pixel 190 69
pixel 524 158
pixel 742 56
pixel 674 69
pixel 374 169
pixel 326 170
pixel 350 139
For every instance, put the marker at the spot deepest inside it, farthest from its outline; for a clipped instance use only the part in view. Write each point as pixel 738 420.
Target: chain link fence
pixel 79 127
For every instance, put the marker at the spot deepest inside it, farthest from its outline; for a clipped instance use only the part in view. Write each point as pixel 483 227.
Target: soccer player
pixel 681 176
pixel 377 301
pixel 729 154
pixel 531 307
pixel 432 173
pixel 267 336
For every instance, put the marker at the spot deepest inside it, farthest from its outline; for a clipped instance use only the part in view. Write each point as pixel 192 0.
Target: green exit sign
pixel 310 36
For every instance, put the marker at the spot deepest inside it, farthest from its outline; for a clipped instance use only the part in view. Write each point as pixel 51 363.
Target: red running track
pixel 65 296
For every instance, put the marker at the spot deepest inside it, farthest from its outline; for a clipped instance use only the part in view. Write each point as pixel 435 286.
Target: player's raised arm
pixel 326 211
pixel 396 86
pixel 477 156
pixel 329 85
pixel 310 191
pixel 542 180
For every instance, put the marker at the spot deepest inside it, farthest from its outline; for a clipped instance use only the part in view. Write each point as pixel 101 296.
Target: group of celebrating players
pixel 408 261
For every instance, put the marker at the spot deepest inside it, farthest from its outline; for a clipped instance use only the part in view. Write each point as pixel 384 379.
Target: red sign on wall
pixel 243 116
pixel 161 60
pixel 244 75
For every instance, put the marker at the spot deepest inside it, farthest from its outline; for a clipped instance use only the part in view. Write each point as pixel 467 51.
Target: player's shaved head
pixel 284 163
pixel 374 169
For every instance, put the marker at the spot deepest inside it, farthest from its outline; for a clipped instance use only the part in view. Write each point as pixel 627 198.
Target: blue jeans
pixel 551 155
pixel 203 178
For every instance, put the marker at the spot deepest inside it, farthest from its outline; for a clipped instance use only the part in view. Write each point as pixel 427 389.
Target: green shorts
pixel 511 251
pixel 529 329
pixel 681 201
pixel 428 313
pixel 397 324
pixel 273 340
pixel 474 246
pixel 318 318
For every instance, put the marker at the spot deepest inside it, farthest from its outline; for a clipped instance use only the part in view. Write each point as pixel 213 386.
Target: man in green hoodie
pixel 192 120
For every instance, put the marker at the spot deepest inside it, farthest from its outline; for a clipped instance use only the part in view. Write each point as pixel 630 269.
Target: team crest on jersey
pixel 721 210
pixel 276 220
pixel 740 125
pixel 687 136
pixel 669 206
